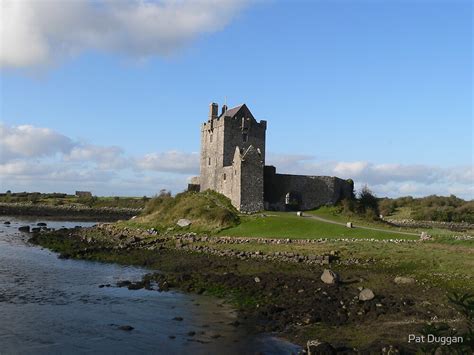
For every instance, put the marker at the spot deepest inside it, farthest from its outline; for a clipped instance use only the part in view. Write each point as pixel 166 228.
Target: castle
pixel 233 163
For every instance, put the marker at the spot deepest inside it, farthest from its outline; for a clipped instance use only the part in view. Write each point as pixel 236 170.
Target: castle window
pixel 225 176
pixel 245 137
pixel 210 138
pixel 209 161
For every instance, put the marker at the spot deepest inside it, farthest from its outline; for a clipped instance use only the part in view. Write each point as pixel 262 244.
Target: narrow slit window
pixel 245 137
pixel 209 161
pixel 225 176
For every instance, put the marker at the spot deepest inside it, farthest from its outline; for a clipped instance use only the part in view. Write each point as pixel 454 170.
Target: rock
pixel 7 222
pixel 35 229
pixel 299 214
pixel 41 224
pixel 126 327
pixel 425 236
pixel 319 347
pixel 257 279
pixel 183 222
pixel 366 294
pixel 329 277
pixel 179 319
pixel 349 224
pixel 24 229
pixel 191 333
pixel 403 280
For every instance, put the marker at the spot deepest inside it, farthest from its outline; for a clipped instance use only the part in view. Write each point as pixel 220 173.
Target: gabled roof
pixel 241 110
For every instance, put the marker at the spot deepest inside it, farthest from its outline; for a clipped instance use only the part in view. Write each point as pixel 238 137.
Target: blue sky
pixel 377 91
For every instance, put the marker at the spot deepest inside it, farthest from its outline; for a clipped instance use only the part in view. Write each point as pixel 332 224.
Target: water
pixel 50 305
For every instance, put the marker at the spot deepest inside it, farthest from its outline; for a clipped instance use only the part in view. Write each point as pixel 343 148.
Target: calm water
pixel 49 305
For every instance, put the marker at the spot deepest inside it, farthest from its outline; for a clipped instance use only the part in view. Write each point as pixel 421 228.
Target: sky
pixel 108 96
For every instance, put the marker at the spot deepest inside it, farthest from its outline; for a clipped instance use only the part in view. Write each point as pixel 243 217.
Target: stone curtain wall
pixel 312 191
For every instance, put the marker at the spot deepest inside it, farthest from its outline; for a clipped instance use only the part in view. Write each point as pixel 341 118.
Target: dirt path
pixel 361 227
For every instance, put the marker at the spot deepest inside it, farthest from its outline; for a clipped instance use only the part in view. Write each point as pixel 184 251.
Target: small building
pixel 83 194
pixel 232 162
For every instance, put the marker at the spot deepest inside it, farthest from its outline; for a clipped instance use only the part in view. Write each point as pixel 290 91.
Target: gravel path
pixel 361 227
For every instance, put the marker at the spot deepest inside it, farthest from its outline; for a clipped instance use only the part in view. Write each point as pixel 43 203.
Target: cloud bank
pixel 37 32
pixel 35 158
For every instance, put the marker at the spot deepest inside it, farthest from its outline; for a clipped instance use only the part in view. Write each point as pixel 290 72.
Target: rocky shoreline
pixel 69 212
pixel 283 293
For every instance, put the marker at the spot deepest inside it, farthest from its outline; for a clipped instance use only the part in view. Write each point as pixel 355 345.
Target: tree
pixel 367 202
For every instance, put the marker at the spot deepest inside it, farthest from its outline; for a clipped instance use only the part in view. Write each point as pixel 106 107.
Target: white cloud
pixel 27 141
pixel 172 161
pixel 35 32
pixel 106 157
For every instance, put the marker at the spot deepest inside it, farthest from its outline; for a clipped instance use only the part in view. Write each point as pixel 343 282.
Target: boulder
pixel 24 229
pixel 329 277
pixel 41 224
pixel 425 236
pixel 183 222
pixel 403 280
pixel 366 295
pixel 319 347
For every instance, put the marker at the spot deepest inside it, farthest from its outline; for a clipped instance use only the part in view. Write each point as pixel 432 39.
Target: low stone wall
pixel 138 238
pixel 454 226
pixel 68 211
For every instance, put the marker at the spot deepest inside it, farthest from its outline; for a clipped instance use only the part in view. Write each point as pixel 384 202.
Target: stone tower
pixel 233 156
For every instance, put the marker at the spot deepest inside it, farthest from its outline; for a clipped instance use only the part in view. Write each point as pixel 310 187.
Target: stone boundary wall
pixel 125 238
pixel 455 226
pixel 68 211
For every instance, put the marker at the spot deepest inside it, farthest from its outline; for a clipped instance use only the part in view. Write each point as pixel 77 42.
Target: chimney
pixel 224 108
pixel 213 109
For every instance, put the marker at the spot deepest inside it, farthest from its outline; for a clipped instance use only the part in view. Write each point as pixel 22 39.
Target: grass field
pixel 288 225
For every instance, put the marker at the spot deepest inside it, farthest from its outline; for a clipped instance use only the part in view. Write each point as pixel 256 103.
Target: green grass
pixel 208 212
pixel 288 225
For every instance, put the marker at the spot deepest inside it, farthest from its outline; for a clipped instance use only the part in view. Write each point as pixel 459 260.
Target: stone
pixel 183 222
pixel 319 347
pixel 257 279
pixel 126 327
pixel 299 214
pixel 24 228
pixel 41 224
pixel 425 236
pixel 349 224
pixel 366 295
pixel 329 277
pixel 403 280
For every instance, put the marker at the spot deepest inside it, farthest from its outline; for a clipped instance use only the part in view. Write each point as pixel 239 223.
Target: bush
pixel 367 202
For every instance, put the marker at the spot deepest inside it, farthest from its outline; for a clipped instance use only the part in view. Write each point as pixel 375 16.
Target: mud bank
pixel 286 298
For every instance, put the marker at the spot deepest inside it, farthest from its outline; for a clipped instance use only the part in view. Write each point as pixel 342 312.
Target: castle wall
pixel 212 154
pixel 234 136
pixel 307 192
pixel 251 182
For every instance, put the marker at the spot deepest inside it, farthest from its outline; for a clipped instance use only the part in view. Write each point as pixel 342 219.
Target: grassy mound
pixel 208 211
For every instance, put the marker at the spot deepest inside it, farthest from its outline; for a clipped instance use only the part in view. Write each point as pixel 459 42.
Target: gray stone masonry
pixel 232 162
